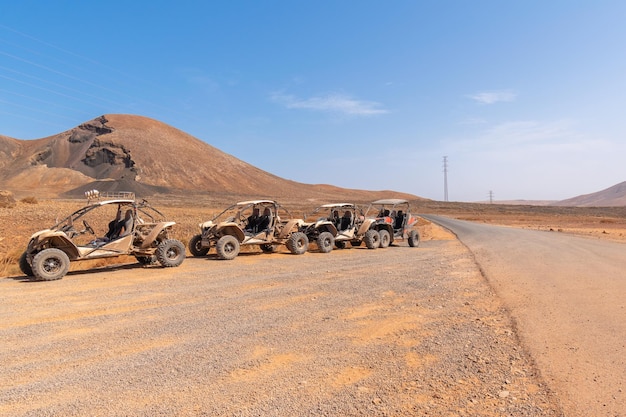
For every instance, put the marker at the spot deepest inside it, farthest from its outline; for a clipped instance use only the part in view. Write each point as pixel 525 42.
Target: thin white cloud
pixel 335 103
pixel 521 136
pixel 492 97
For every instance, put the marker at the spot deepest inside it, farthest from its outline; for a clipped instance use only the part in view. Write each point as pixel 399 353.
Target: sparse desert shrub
pixel 29 200
pixel 6 199
pixel 9 263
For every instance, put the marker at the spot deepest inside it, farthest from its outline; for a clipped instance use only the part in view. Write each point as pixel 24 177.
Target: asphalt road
pixel 567 296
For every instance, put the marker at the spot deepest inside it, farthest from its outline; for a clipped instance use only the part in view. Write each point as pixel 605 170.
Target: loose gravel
pixel 389 332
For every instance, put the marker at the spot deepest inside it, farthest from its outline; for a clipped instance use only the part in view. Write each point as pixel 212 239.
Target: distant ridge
pixel 136 153
pixel 614 196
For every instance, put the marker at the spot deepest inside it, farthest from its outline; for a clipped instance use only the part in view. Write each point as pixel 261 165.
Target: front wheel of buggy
pixel 195 246
pixel 170 253
pixel 25 266
pixel 325 242
pixel 227 247
pixel 50 264
pixel 298 243
pixel 372 239
pixel 414 238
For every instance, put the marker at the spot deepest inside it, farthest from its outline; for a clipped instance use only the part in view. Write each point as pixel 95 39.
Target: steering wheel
pixel 88 228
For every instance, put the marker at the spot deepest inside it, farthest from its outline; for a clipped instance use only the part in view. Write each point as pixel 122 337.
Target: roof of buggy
pixel 390 201
pixel 243 203
pixel 337 205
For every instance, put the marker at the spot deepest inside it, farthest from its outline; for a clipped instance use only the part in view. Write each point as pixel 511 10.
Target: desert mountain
pixel 135 153
pixel 614 196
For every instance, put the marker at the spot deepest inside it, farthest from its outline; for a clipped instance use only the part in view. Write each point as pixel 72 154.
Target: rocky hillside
pixel 134 153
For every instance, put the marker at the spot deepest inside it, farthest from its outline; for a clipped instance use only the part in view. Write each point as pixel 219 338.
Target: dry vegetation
pixel 28 215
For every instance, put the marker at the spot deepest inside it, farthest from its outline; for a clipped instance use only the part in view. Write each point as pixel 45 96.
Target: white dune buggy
pixel 255 222
pixel 393 220
pixel 341 223
pixel 132 228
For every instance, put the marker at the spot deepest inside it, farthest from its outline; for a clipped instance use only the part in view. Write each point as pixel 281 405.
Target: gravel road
pixel 568 297
pixel 389 332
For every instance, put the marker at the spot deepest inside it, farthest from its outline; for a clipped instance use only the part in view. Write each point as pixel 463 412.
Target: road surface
pixel 567 296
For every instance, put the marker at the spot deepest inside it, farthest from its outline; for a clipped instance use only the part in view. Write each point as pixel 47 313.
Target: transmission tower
pixel 490 197
pixel 445 178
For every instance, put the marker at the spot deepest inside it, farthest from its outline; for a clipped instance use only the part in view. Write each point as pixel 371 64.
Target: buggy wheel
pixel 146 260
pixel 372 239
pixel 170 253
pixel 196 248
pixel 325 242
pixel 268 247
pixel 227 247
pixel 25 266
pixel 340 244
pixel 414 238
pixel 385 239
pixel 298 243
pixel 50 264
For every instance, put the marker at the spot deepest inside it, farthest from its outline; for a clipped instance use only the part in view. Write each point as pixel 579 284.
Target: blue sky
pixel 524 98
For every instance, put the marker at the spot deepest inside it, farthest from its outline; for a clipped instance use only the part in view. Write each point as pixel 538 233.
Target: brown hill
pixel 614 196
pixel 135 153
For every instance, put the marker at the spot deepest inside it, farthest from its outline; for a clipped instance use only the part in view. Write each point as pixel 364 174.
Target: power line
pixel 445 178
pixel 68 80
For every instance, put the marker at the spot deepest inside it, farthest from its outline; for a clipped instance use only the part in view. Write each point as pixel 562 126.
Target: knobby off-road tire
pixel 146 259
pixel 196 248
pixel 372 239
pixel 50 264
pixel 25 266
pixel 227 247
pixel 414 238
pixel 325 242
pixel 298 243
pixel 170 253
pixel 268 247
pixel 385 238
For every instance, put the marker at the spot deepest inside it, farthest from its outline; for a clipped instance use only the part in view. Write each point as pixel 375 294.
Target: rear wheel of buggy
pixel 50 264
pixel 372 239
pixel 25 266
pixel 298 243
pixel 325 242
pixel 170 253
pixel 385 238
pixel 196 248
pixel 414 238
pixel 227 247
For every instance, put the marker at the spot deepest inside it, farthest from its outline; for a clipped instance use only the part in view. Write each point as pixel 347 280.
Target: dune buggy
pixel 256 222
pixel 339 224
pixel 393 220
pixel 132 228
